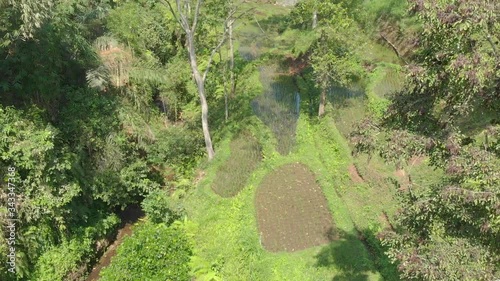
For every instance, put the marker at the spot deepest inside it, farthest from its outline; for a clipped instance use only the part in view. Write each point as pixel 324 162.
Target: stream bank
pixel 129 216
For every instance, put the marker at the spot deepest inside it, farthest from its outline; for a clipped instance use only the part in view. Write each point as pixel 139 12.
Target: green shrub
pixel 158 207
pixel 153 252
pixel 377 106
pixel 59 261
pixel 382 82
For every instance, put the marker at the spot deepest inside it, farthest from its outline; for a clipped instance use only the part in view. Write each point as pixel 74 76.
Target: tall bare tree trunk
pixel 231 54
pixel 224 82
pixel 322 102
pixel 232 86
pixel 188 19
pixel 226 109
pixel 315 18
pixel 200 83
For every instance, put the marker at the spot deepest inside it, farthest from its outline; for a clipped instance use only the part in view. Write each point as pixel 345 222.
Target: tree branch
pixel 184 18
pixel 259 26
pixel 488 37
pixel 242 14
pixel 214 50
pixel 453 190
pixel 228 20
pixel 393 47
pixel 196 14
pixel 167 4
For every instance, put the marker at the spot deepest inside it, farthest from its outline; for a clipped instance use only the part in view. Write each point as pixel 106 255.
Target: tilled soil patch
pixel 292 212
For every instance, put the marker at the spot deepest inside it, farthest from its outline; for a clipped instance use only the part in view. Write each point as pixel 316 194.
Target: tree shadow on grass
pixel 347 254
pixel 341 96
pixel 274 23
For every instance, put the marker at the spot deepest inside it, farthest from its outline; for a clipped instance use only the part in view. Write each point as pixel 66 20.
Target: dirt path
pixel 354 174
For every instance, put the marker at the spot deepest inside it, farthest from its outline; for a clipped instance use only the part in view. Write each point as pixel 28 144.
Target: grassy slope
pixel 227 237
pixel 228 232
pixel 234 172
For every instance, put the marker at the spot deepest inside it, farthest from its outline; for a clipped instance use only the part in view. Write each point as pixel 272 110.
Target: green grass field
pixel 228 236
pixel 228 241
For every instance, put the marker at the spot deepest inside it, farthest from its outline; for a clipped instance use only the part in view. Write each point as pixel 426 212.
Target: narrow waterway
pixel 129 216
pixel 279 104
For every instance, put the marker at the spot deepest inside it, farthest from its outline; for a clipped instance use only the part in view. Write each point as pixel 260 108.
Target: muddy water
pixel 278 107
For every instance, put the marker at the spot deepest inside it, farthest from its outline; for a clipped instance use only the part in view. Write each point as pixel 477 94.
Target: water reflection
pixel 278 107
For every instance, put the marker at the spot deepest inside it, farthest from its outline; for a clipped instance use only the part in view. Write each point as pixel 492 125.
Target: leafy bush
pixel 159 208
pixel 385 80
pixel 59 261
pixel 153 252
pixel 377 106
pixel 177 147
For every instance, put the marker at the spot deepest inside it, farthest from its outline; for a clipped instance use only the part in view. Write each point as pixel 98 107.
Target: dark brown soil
pixel 354 174
pixel 292 212
pixel 110 252
pixel 416 160
pixel 297 65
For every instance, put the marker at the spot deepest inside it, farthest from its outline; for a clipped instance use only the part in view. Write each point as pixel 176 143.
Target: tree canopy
pixel 100 110
pixel 448 230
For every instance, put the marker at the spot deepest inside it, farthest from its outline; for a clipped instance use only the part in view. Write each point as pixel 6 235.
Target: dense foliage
pixel 88 125
pixel 153 252
pixel 100 109
pixel 448 112
pixel 331 54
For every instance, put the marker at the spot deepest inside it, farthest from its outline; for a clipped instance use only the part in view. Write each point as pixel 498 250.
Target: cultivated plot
pixel 292 212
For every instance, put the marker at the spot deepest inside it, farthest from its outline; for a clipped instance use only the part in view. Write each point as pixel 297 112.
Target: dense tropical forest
pixel 249 140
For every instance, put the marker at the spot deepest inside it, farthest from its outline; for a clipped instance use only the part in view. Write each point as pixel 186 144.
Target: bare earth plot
pixel 354 174
pixel 292 212
pixel 232 176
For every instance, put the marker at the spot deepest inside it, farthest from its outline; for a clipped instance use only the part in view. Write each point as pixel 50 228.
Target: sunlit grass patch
pixel 245 156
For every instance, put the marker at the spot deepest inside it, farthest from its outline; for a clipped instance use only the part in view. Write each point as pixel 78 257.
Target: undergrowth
pixel 228 228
